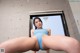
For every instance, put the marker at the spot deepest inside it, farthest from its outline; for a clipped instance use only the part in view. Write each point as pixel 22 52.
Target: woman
pixel 41 41
pixel 39 31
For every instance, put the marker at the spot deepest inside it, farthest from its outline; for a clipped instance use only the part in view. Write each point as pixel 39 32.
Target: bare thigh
pixel 56 42
pixel 20 44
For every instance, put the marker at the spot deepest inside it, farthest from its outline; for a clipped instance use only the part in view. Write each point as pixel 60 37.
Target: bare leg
pixel 21 44
pixel 67 44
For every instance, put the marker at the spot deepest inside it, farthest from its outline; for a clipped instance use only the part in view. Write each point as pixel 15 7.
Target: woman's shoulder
pixel 32 30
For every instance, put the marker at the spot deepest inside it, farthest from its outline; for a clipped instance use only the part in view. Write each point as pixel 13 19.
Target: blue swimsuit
pixel 39 33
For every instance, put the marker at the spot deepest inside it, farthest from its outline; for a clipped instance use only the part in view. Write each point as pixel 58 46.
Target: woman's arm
pixel 49 32
pixel 32 32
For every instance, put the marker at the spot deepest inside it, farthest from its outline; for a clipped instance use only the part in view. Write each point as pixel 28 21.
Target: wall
pixel 14 16
pixel 76 13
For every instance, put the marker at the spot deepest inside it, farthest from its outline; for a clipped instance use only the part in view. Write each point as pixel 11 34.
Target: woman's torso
pixel 40 32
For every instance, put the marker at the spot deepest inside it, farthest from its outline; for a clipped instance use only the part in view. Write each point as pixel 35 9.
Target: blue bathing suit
pixel 39 33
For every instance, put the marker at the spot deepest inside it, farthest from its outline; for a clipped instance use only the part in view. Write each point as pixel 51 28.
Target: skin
pixel 22 44
pixel 38 24
pixel 58 42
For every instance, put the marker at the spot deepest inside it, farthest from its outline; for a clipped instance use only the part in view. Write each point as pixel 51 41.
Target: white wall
pixel 75 7
pixel 14 16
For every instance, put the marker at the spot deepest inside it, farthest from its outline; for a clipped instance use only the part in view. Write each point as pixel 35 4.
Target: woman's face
pixel 38 23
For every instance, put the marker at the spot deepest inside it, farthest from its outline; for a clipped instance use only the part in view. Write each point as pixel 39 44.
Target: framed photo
pixel 54 20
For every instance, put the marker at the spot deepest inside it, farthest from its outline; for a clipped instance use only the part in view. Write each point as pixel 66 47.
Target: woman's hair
pixel 35 19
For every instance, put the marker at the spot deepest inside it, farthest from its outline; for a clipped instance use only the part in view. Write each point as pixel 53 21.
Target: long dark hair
pixel 34 21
